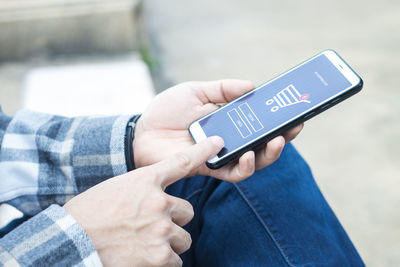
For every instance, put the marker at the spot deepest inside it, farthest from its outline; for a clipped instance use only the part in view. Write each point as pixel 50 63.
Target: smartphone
pixel 277 105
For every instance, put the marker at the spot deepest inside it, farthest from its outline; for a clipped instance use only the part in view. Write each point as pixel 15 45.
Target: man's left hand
pixel 163 128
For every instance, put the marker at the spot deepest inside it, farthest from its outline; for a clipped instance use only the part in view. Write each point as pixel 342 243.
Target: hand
pixel 129 218
pixel 163 128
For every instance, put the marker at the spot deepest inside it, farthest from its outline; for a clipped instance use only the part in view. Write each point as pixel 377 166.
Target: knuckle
pixel 184 161
pixel 159 201
pixel 163 256
pixel 164 228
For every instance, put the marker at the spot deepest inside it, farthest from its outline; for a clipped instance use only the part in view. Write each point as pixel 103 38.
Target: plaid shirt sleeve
pixel 47 159
pixel 51 238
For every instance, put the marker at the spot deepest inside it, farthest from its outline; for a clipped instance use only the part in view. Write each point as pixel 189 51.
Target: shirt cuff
pixel 99 150
pixel 51 238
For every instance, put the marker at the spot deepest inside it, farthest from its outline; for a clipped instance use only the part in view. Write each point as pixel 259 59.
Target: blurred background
pixel 97 56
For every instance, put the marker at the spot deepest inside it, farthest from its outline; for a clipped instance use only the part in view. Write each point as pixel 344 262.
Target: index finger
pixel 222 91
pixel 185 162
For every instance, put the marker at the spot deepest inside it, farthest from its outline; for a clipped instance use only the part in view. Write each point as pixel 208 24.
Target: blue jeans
pixel 278 217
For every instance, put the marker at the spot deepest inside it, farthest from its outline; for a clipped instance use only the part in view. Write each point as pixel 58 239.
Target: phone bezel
pixel 356 84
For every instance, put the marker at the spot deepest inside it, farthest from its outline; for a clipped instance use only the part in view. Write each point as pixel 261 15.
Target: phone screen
pixel 274 103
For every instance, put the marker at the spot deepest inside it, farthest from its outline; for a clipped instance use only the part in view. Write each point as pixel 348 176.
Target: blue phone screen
pixel 274 103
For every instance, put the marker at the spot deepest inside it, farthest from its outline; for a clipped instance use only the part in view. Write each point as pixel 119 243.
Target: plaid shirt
pixel 45 160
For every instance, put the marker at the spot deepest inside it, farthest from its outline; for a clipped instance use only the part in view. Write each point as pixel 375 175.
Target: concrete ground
pixel 353 148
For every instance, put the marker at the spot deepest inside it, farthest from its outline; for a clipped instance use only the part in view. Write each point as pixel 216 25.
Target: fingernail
pixel 218 141
pixel 250 162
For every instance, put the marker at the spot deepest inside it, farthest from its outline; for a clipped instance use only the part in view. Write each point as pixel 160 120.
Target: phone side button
pixel 336 100
pixel 325 106
pixel 309 115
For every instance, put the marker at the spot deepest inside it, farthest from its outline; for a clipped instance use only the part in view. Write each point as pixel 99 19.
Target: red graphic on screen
pixel 287 97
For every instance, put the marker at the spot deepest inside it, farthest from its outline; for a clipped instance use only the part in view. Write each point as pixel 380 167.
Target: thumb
pixel 185 162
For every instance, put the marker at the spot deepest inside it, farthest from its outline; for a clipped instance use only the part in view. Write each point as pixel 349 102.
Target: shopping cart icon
pixel 287 97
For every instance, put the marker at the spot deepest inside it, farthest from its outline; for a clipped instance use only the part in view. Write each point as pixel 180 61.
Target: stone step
pixel 121 86
pixel 67 27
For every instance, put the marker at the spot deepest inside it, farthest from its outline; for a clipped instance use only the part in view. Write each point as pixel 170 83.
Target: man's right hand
pixel 132 221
